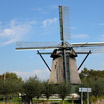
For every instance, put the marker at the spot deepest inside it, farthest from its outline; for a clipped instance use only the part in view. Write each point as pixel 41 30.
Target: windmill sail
pixel 64 23
pixel 64 67
pixel 64 34
pixel 97 47
pixel 36 45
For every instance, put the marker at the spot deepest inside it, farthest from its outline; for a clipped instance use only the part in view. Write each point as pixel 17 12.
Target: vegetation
pixel 93 79
pixel 11 85
pixel 48 89
pixel 63 90
pixel 32 88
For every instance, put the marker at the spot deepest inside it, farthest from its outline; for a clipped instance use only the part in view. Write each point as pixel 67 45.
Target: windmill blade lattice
pixel 36 45
pixel 64 23
pixel 97 47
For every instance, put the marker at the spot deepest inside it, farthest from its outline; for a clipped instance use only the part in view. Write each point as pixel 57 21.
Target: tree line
pixel 93 79
pixel 12 85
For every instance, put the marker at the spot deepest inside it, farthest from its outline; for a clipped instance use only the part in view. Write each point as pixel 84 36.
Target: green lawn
pixel 57 102
pixel 66 102
pixel 17 100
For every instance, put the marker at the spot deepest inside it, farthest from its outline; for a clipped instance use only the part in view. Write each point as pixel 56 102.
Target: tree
pixel 63 90
pixel 96 85
pixel 48 89
pixel 86 74
pixel 93 79
pixel 39 90
pixel 8 75
pixel 31 88
pixel 10 85
pixel 5 88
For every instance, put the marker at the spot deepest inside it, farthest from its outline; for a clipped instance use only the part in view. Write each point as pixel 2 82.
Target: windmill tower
pixel 64 67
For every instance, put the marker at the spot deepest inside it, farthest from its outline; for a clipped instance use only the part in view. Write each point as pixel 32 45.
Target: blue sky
pixel 38 21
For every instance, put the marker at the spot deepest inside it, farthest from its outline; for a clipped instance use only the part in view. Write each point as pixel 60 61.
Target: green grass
pixel 10 102
pixel 65 102
pixel 18 101
pixel 56 101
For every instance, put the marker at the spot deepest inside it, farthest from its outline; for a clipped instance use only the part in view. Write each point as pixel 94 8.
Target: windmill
pixel 64 67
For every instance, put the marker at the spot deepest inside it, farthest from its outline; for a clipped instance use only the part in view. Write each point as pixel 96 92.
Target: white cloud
pixel 14 31
pixel 41 74
pixel 48 21
pixel 80 36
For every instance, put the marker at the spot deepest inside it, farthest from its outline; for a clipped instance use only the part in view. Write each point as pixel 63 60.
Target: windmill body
pixel 58 73
pixel 64 67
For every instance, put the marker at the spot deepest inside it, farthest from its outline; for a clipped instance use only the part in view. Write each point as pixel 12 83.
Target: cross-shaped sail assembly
pixel 64 67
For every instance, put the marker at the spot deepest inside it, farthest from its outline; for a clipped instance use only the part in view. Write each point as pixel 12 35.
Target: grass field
pixel 58 102
pixel 16 100
pixel 52 102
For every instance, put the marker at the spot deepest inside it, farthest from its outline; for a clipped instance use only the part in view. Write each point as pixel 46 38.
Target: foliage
pixel 63 90
pixel 87 74
pixel 48 89
pixel 32 88
pixel 93 79
pixel 8 76
pixel 10 84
